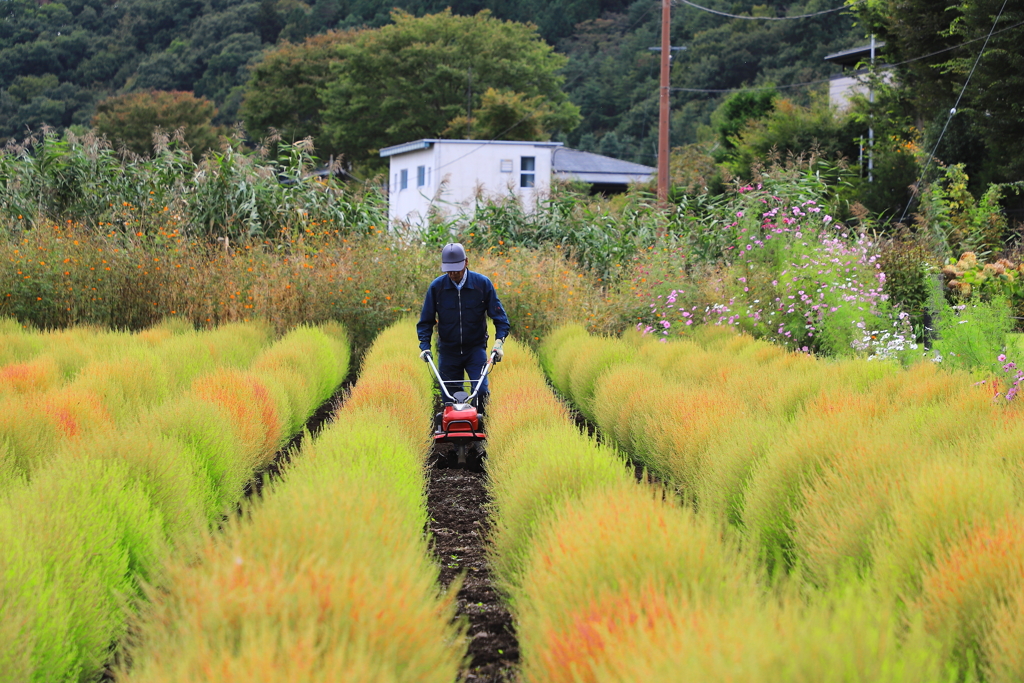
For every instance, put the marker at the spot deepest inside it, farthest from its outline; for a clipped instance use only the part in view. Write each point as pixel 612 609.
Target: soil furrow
pixel 457 502
pixel 640 471
pixel 316 422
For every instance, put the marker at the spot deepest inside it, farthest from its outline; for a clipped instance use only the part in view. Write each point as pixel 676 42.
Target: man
pixel 459 302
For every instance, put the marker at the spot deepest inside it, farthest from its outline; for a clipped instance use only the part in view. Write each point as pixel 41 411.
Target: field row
pixel 847 476
pixel 329 576
pixel 126 461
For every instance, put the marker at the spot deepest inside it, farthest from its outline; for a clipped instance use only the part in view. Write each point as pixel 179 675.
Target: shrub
pixel 105 508
pixel 972 335
pixel 968 584
pixel 1001 648
pixel 941 504
pixel 129 120
pixel 356 594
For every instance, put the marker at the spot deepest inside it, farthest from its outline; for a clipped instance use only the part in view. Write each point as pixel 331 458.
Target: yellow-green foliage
pixel 329 577
pixel 537 459
pixel 109 506
pixel 1002 653
pixel 74 544
pixel 940 505
pixel 902 479
pixel 32 361
pixel 560 355
pixel 844 638
pixel 963 593
pixel 828 427
pixel 609 565
pixel 129 374
pixel 611 580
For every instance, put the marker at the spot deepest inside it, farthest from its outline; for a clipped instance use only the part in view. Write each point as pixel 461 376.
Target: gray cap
pixel 453 258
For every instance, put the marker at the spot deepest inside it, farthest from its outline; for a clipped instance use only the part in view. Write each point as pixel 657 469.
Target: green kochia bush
pixel 104 513
pixel 612 580
pixel 76 542
pixel 329 576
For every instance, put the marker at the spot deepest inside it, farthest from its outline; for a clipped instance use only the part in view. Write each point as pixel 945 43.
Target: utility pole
pixel 666 56
pixel 871 127
pixel 469 104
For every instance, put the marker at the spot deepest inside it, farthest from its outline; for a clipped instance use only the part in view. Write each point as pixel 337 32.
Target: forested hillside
pixel 58 60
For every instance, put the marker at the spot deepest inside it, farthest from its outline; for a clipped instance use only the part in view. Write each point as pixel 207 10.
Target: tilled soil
pixel 456 500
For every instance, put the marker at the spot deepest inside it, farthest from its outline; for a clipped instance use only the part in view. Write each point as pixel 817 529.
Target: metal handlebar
pixel 429 358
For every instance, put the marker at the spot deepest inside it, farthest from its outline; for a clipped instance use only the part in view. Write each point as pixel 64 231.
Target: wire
pixel 759 87
pixel 954 47
pixel 739 16
pixel 952 111
pixel 826 80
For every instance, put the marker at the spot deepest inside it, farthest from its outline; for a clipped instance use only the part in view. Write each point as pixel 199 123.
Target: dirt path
pixel 456 500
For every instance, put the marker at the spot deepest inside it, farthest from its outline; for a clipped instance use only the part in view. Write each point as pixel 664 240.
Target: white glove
pixel 498 350
pixel 425 355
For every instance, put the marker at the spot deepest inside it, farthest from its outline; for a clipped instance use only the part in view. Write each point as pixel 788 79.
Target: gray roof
pixel 597 168
pixel 854 55
pixel 426 143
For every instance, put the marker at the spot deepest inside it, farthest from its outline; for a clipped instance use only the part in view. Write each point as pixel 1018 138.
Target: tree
pixel 739 111
pixel 129 120
pixel 943 42
pixel 791 130
pixel 505 115
pixel 410 79
pixel 284 88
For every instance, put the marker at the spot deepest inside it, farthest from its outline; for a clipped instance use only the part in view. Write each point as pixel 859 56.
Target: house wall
pixel 842 88
pixel 456 171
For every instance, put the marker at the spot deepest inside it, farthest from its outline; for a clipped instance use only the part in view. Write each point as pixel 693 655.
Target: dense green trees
pixel 438 75
pixel 130 120
pixel 57 60
pixel 357 77
pixel 284 88
pixel 613 76
pixel 937 47
pixel 414 78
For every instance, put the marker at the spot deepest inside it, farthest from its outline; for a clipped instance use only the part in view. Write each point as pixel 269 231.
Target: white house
pixel 447 176
pixel 842 86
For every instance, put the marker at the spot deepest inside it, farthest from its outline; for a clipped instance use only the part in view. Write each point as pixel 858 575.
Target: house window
pixel 506 165
pixel 404 182
pixel 421 176
pixel 527 166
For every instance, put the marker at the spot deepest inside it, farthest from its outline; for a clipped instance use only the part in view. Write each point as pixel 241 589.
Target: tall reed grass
pixel 328 576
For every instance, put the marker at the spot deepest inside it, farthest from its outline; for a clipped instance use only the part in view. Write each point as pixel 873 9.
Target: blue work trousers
pixel 454 368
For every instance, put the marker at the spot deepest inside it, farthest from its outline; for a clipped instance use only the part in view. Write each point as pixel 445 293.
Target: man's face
pixel 457 276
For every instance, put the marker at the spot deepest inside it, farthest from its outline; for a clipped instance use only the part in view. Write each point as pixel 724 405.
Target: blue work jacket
pixel 461 315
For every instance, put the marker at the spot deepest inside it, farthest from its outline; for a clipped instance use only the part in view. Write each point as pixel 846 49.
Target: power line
pixel 754 88
pixel 952 111
pixel 740 16
pixel 826 80
pixel 954 47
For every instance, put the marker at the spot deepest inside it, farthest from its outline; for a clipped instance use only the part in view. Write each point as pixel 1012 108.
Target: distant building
pixel 448 176
pixel 851 80
pixel 605 174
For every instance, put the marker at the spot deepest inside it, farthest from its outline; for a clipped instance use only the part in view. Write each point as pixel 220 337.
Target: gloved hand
pixel 425 355
pixel 498 352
